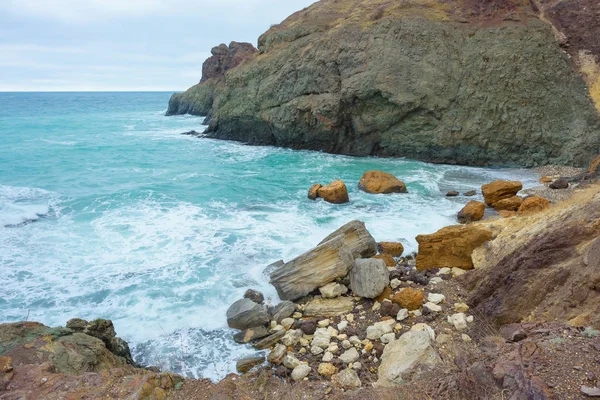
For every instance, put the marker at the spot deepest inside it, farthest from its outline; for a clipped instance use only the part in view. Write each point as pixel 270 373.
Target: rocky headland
pixel 502 82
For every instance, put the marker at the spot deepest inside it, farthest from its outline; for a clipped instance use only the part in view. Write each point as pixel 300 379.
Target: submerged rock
pixel 379 182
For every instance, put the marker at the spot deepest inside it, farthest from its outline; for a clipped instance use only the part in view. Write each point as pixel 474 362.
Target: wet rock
pixel 329 307
pixel 470 193
pixel 369 278
pixel 509 204
pixel 560 183
pixel 247 363
pixel 300 372
pixel 346 379
pixel 409 298
pixel 269 341
pixel 356 238
pixel 255 296
pixel 283 310
pixel 250 334
pixel 313 269
pixel 473 211
pixel 333 290
pixel 532 205
pixel 394 249
pixel 406 357
pixel 378 182
pixel 313 192
pixel 499 190
pixel 245 313
pixel 451 247
pixel 452 193
pixel 335 193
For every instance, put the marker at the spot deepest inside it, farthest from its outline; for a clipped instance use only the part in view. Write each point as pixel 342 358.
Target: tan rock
pixel 507 214
pixel 379 182
pixel 6 365
pixel 394 249
pixel 473 211
pixel 546 179
pixel 510 204
pixel 408 298
pixel 532 205
pixel 327 369
pixel 387 292
pixel 313 192
pixel 329 307
pixel 499 190
pixel 451 247
pixel 335 193
pixel 356 238
pixel 389 260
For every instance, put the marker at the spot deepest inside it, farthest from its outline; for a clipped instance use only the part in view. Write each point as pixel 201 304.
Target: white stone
pixel 436 298
pixel 332 331
pixel 277 328
pixel 304 342
pixel 327 357
pixel 342 326
pixel 324 323
pixel 402 314
pixel 290 361
pixel 350 318
pixel 388 337
pixel 395 283
pixel 287 323
pixel 416 313
pixel 458 271
pixel 379 329
pixel 346 344
pixel 433 307
pixel 357 366
pixel 333 347
pixel 355 341
pixel 424 327
pixel 466 338
pixel 315 351
pixel 376 306
pixel 291 337
pixel 436 280
pixel 342 336
pixel 333 290
pixel 350 356
pixel 300 372
pixel 459 320
pixel 444 271
pixel 470 318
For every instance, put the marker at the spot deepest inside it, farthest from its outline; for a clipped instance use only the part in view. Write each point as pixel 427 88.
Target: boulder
pixel 346 379
pixel 283 310
pixel 335 193
pixel 313 192
pixel 333 290
pixel 357 239
pixel 560 183
pixel 255 296
pixel 394 249
pixel 409 298
pixel 470 193
pixel 378 182
pixel 247 363
pixel 313 269
pixel 473 211
pixel 406 358
pixel 510 204
pixel 451 247
pixel 250 335
pixel 329 307
pixel 386 258
pixel 452 193
pixel 369 278
pixel 499 190
pixel 245 313
pixel 104 330
pixel 532 205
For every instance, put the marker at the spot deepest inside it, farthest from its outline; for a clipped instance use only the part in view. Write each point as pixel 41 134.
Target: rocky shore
pixel 504 307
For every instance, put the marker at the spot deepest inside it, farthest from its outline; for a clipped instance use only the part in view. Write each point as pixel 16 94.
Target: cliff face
pixel 468 82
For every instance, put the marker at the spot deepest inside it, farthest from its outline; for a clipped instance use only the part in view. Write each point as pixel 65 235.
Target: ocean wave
pixel 23 205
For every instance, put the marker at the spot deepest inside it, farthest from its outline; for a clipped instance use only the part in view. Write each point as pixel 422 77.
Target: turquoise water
pixel 107 211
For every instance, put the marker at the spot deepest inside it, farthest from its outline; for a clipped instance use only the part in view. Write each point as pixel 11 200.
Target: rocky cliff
pixel 455 81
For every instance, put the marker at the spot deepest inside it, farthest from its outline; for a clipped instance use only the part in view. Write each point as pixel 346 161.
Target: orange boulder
pixel 335 193
pixel 408 298
pixel 499 190
pixel 379 182
pixel 510 204
pixel 533 204
pixel 473 211
pixel 394 249
pixel 313 192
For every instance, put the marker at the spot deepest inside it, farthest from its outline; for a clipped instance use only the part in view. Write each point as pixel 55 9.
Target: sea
pixel 108 211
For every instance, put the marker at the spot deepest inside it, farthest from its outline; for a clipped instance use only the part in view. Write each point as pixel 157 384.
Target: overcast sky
pixel 48 45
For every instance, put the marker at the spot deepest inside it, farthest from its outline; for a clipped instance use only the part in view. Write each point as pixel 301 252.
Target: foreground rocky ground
pixel 500 308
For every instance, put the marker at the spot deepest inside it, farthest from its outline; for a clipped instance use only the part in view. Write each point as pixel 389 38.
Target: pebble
pixel 355 341
pixel 333 347
pixel 416 313
pixel 466 338
pixel 459 321
pixel 342 336
pixel 327 357
pixel 292 337
pixel 368 345
pixel 435 280
pixel 458 271
pixel 461 307
pixel 395 283
pixel 297 315
pixel 304 342
pixel 287 323
pixel 470 318
pixel 436 298
pixel 346 344
pixel 332 331
pixel 376 306
pixel 432 307
pixel 315 351
pixel 342 326
pixel 443 338
pixel 290 361
pixel 444 271
pixel 350 356
pixel 350 318
pixel 388 338
pixel 398 327
pixel 300 372
pixel 323 323
pixel 302 351
pixel 424 327
pixel 326 369
pixel 378 329
pixel 277 328
pixel 402 314
pixel 356 366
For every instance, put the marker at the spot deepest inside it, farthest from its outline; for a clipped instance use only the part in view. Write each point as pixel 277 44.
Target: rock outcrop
pixel 451 247
pixel 440 81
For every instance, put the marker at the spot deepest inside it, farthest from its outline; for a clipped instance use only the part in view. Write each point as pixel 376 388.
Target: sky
pixel 108 45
